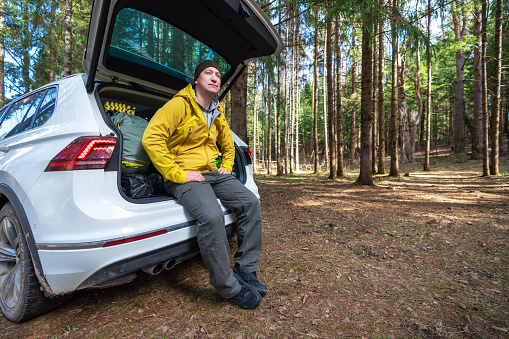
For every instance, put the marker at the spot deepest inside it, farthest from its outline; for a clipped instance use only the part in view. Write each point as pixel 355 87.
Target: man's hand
pixel 194 176
pixel 222 171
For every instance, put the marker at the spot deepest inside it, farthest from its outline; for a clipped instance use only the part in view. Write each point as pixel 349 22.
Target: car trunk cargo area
pixel 143 185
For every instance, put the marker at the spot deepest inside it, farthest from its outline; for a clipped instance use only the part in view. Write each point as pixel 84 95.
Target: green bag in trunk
pixel 132 127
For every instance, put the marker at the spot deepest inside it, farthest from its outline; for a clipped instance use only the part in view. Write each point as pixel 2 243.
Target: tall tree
pixel 315 94
pixel 67 38
pixel 381 99
pixel 330 98
pixel 403 113
pixel 238 114
pixel 484 88
pixel 353 135
pixel 497 77
pixel 366 173
pixel 477 120
pixel 279 146
pixel 394 171
pixel 415 121
pixel 426 165
pixel 460 30
pixel 339 105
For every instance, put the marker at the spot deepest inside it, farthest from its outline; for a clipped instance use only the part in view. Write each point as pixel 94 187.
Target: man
pixel 181 142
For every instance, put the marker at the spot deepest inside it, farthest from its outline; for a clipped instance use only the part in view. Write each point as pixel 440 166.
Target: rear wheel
pixel 21 297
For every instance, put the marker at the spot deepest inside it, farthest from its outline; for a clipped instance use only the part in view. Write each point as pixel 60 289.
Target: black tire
pixel 21 297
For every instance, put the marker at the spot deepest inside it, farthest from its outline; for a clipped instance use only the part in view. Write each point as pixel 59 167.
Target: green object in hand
pixel 219 160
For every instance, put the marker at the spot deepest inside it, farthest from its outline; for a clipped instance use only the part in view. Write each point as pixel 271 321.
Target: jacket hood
pixel 188 93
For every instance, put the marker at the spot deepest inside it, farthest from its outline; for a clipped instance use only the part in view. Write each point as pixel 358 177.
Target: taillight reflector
pixel 136 238
pixel 248 151
pixel 83 153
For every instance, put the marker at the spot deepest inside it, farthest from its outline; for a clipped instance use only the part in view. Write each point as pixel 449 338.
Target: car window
pixel 27 122
pixel 47 107
pixel 144 39
pixel 12 120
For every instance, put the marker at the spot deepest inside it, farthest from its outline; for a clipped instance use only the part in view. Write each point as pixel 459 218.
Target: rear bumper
pixel 69 270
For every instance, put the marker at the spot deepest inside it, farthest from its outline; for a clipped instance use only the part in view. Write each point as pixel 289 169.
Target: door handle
pixel 5 149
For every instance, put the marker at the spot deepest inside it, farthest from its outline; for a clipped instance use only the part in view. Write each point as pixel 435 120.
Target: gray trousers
pixel 200 198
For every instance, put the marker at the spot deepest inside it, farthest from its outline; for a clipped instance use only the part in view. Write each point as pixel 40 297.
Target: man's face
pixel 209 80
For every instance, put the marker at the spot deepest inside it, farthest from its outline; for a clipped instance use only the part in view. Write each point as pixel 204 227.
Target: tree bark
pixel 374 101
pixel 52 44
pixel 67 38
pixel 239 107
pixel 269 118
pixel 403 111
pixel 280 146
pixel 477 121
pixel 394 172
pixel 333 171
pixel 459 106
pixel 415 121
pixel 339 108
pixel 353 135
pixel 497 75
pixel 315 94
pixel 366 171
pixel 484 84
pixel 426 165
pixel 381 101
pixel 255 117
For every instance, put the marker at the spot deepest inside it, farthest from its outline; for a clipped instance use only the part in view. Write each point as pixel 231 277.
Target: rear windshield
pixel 147 40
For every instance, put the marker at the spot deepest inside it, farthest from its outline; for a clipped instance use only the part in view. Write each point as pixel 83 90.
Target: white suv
pixel 67 220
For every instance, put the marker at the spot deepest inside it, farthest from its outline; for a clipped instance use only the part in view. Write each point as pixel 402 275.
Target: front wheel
pixel 21 297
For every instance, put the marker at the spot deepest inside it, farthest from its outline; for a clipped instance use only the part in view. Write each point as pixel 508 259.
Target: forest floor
pixel 418 256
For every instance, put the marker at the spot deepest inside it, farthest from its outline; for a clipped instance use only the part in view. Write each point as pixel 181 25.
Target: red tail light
pixel 247 150
pixel 83 153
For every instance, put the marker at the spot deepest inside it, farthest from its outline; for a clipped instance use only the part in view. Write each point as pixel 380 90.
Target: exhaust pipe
pixel 154 269
pixel 169 264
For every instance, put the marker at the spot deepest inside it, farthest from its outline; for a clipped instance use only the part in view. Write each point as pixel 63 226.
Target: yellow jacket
pixel 178 138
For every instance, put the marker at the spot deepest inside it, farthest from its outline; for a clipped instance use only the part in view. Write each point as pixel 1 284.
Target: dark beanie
pixel 202 66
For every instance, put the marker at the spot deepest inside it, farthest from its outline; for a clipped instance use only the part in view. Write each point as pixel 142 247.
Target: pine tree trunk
pixel 333 171
pixel 477 122
pixel 497 75
pixel 339 108
pixel 238 114
pixel 353 136
pixel 484 88
pixel 269 118
pixel 405 119
pixel 381 101
pixel 374 102
pixel 426 165
pixel 325 108
pixel 255 117
pixel 315 94
pixel 280 141
pixel 415 122
pixel 394 172
pixel 366 173
pixel 52 44
pixel 279 155
pixel 459 104
pixel 67 38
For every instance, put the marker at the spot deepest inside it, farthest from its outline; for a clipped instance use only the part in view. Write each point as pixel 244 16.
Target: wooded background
pixel 357 80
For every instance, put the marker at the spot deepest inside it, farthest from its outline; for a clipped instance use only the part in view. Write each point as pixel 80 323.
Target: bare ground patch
pixel 424 255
